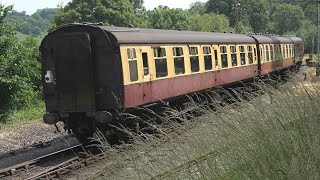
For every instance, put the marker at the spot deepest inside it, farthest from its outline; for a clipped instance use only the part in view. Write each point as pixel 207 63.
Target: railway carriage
pixel 90 72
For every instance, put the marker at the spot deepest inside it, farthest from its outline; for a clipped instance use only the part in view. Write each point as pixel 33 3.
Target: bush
pixel 20 76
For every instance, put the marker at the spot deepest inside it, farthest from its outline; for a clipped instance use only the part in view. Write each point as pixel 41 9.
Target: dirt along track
pixel 28 169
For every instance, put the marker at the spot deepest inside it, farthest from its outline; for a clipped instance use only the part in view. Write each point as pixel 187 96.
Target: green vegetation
pixel 111 12
pixel 34 25
pixel 242 16
pixel 20 77
pixel 273 136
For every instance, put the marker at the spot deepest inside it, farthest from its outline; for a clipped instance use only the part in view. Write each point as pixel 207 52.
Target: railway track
pixel 32 147
pixel 77 162
pixel 22 170
pixel 165 135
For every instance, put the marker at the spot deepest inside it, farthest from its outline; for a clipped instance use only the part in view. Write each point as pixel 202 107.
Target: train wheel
pixel 82 127
pixel 84 139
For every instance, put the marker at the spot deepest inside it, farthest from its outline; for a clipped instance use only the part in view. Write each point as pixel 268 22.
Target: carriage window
pixel 233 52
pixel 261 53
pixel 272 52
pixel 267 53
pixel 250 55
pixel 178 60
pixel 216 57
pixel 283 51
pixel 133 64
pixel 145 64
pixel 287 50
pixel 224 57
pixel 194 59
pixel 277 52
pixel 255 54
pixel 242 55
pixel 207 58
pixel 292 52
pixel 160 59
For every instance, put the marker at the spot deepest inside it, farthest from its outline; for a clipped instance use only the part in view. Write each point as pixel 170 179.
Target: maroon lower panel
pixel 269 67
pixel 148 92
pixel 288 62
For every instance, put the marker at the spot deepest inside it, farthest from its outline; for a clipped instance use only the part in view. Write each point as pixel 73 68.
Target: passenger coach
pixel 90 72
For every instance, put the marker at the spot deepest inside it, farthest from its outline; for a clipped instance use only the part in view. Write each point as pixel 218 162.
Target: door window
pixel 178 58
pixel 133 64
pixel 207 58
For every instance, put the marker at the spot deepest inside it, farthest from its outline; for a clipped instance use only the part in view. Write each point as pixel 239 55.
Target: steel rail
pixel 68 166
pixel 37 145
pixel 28 165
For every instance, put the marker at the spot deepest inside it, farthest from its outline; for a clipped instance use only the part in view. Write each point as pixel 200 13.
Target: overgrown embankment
pixel 273 136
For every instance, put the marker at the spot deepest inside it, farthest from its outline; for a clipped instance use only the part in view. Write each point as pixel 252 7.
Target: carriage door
pixel 74 78
pixel 146 57
pixel 216 64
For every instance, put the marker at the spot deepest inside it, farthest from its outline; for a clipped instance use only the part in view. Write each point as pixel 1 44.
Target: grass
pixel 22 36
pixel 273 136
pixel 24 115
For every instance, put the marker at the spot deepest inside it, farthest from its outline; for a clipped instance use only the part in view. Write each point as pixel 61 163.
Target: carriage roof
pixel 157 36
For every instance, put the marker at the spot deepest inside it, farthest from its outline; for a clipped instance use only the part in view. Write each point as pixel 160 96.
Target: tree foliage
pixel 197 8
pixel 164 17
pixel 287 18
pixel 19 67
pixel 251 13
pixel 110 12
pixel 34 25
pixel 210 22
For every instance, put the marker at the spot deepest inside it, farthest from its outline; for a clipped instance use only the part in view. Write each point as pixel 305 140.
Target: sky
pixel 30 6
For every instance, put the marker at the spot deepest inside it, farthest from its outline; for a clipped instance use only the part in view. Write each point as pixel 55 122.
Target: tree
pixel 138 6
pixel 19 68
pixel 164 17
pixel 197 8
pixel 257 13
pixel 286 18
pixel 36 24
pixel 311 13
pixel 241 28
pixel 219 7
pixel 308 32
pixel 210 22
pixel 110 12
pixel 251 13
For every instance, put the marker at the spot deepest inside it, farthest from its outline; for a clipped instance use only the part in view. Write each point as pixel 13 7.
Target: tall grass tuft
pixel 275 135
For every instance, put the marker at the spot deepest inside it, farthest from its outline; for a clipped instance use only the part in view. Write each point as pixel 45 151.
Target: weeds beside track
pixel 273 136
